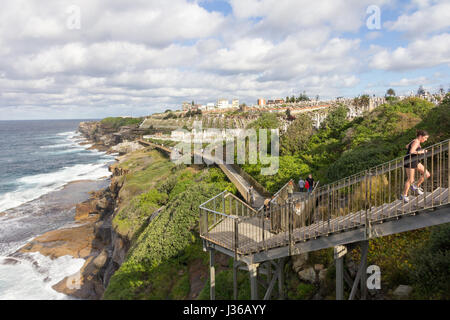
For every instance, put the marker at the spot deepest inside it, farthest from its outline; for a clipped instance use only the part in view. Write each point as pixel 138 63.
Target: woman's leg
pixel 423 175
pixel 409 180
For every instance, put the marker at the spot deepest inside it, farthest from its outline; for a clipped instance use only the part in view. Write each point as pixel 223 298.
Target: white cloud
pixel 418 54
pixel 147 55
pixel 427 18
pixel 408 82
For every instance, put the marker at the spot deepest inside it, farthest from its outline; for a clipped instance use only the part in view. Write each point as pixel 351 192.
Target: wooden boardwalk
pixel 340 215
pixel 241 184
pixel 252 238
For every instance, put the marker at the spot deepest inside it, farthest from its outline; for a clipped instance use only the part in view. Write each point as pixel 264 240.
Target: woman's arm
pixel 414 147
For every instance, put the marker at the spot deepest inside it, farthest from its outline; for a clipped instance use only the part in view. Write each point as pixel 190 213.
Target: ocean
pixel 39 163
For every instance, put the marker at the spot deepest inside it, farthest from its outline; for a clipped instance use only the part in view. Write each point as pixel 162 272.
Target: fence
pixel 352 202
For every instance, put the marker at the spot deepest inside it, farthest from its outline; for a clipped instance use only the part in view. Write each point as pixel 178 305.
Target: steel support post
pixel 235 284
pixel 212 275
pixel 253 271
pixel 281 278
pixel 339 254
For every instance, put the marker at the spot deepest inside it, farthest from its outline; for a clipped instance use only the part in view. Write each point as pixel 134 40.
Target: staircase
pixel 357 203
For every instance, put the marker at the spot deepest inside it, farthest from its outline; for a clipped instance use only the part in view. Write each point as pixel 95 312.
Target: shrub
pixel 117 122
pixel 431 265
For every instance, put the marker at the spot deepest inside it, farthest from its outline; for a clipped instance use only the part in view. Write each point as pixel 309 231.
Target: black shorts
pixel 411 162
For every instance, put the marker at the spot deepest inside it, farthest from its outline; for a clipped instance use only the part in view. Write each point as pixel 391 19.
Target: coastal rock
pixel 299 261
pixel 318 267
pixel 120 251
pixel 85 209
pixel 308 275
pixel 103 230
pixel 78 242
pixel 402 291
pixel 103 204
pixel 323 275
pixel 101 259
pixel 85 284
pixel 9 261
pixel 127 147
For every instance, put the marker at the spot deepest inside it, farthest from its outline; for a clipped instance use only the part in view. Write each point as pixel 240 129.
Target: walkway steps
pixel 250 233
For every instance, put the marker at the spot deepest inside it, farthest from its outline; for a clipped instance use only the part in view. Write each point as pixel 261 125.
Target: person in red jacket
pixel 306 185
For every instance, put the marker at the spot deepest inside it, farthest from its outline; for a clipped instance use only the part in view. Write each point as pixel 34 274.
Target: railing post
pixel 205 217
pixel 366 205
pixel 289 206
pixel 212 275
pixel 236 238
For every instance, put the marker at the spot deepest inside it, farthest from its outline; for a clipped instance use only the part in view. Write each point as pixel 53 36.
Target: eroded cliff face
pixel 104 136
pixel 93 239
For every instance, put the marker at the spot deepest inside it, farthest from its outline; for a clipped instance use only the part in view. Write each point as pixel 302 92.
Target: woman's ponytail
pixel 421 133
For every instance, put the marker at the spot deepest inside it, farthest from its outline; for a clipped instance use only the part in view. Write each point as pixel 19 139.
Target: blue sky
pixel 97 58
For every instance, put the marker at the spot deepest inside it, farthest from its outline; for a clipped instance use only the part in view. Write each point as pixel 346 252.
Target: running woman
pixel 412 163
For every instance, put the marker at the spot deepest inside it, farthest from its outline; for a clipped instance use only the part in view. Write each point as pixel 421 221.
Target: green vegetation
pixel 265 121
pixel 431 265
pixel 145 169
pixel 224 286
pixel 117 122
pixel 341 148
pixel 297 135
pixel 163 249
pixel 166 251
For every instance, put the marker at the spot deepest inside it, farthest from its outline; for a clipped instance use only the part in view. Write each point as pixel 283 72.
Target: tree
pixel 390 92
pixel 193 103
pixel 292 99
pixel 362 101
pixel 336 119
pixel 303 97
pixel 421 91
pixel 297 135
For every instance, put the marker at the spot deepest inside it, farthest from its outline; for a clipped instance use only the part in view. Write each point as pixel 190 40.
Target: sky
pixel 62 59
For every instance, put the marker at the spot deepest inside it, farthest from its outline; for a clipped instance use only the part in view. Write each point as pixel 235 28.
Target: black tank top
pixel 409 148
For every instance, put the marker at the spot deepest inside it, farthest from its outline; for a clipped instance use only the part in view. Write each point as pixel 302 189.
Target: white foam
pixel 35 186
pixel 68 134
pixel 32 187
pixel 34 275
pixel 57 146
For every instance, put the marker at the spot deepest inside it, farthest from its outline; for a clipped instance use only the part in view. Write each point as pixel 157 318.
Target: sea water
pixel 38 161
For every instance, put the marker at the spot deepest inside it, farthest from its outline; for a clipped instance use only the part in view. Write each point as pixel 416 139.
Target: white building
pixel 222 104
pixel 235 103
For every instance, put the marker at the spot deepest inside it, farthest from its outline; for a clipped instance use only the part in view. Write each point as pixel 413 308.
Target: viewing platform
pixel 341 215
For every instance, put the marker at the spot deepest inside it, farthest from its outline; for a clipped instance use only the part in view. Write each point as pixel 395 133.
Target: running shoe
pixel 404 198
pixel 416 189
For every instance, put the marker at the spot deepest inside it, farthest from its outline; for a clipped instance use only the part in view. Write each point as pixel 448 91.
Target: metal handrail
pixel 352 202
pixel 398 165
pixel 275 196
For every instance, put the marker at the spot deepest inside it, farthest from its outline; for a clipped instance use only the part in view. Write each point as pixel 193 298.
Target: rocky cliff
pixel 92 236
pixel 104 136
